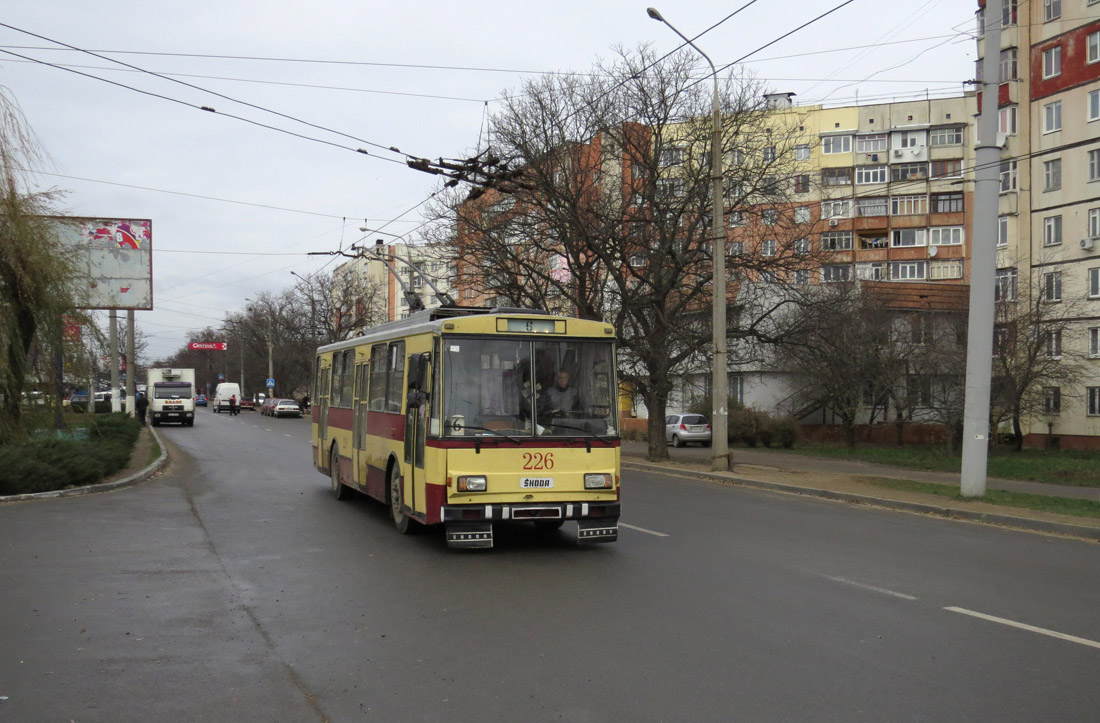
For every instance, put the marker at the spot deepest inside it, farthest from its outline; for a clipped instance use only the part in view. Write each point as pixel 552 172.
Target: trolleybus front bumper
pixel 472 525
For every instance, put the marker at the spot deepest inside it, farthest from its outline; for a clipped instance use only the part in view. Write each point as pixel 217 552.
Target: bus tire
pixel 339 490
pixel 396 496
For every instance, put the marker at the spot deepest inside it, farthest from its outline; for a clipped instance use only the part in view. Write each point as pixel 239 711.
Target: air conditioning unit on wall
pixel 833 222
pixel 1088 244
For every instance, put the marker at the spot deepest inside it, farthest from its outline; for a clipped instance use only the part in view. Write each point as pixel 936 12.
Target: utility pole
pixel 112 337
pixel 983 268
pixel 131 366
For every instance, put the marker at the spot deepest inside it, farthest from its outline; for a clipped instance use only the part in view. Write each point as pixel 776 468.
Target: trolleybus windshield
pixel 528 388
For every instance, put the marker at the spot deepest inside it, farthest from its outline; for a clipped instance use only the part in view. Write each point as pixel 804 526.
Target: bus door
pixel 321 397
pixel 416 420
pixel 359 424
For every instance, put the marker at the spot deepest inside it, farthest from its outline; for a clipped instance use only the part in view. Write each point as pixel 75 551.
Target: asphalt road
pixel 234 588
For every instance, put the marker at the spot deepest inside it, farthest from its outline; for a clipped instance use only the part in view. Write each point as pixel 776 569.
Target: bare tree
pixel 1030 363
pixel 35 276
pixel 606 213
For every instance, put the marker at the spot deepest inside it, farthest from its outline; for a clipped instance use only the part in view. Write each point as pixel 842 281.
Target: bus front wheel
pixel 401 521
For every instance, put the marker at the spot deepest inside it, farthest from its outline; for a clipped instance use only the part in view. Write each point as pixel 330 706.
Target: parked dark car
pixel 246 403
pixel 268 406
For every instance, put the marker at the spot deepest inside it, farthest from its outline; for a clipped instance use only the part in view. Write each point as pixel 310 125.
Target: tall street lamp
pixel 719 381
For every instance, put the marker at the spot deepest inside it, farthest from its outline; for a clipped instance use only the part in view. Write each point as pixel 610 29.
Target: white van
pixel 224 391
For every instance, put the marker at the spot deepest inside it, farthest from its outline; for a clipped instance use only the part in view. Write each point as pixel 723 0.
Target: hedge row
pixel 44 465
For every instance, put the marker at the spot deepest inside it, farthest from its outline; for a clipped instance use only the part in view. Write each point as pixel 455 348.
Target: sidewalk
pixel 846 480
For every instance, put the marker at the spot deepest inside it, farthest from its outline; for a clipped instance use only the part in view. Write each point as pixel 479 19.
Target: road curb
pixel 1060 528
pixel 133 479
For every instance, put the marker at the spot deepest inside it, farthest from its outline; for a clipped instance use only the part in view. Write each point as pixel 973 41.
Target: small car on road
pixel 680 429
pixel 286 408
pixel 246 404
pixel 267 405
pixel 200 400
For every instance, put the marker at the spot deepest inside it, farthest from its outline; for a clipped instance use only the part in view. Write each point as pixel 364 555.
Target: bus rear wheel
pixel 401 521
pixel 339 491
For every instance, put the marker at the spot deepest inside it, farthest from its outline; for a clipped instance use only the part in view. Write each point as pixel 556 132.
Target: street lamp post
pixel 719 381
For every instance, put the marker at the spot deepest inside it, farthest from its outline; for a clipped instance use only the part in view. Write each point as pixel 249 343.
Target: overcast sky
pixel 106 140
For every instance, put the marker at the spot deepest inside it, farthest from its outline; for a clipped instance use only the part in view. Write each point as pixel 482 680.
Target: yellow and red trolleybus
pixel 467 417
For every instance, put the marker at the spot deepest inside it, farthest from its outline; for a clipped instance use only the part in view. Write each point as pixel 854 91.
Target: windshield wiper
pixel 588 443
pixel 497 432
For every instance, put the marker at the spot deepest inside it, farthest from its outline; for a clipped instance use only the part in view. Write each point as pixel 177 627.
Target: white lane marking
pixel 873 588
pixel 1025 626
pixel 286 435
pixel 266 429
pixel 642 529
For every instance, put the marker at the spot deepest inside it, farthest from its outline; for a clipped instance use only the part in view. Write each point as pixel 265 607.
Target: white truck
pixel 171 396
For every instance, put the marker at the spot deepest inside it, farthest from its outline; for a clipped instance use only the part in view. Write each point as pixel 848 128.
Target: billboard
pixel 113 259
pixel 207 345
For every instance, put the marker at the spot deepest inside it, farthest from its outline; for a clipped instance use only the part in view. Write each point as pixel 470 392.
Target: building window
pixel 1002 231
pixel 874 240
pixel 768 154
pixel 637 261
pixel 736 219
pixel 946 137
pixel 802 183
pixel 831 274
pixel 767 248
pixel 736 248
pixel 1094 223
pixel 908 270
pixel 469 293
pixel 1094 341
pixel 1052 231
pixel 836 209
pixel 1054 343
pixel 910 139
pixel 1094 283
pixel 908 205
pixel 1093 42
pixel 1008 65
pixel 836 144
pixel 1052 117
pixel 802 246
pixel 802 214
pixel 1052 62
pixel 669 188
pixel 909 172
pixel 1092 105
pixel 1052 286
pixel 870 174
pixel 836 241
pixel 871 206
pixel 948 203
pixel 836 177
pixel 875 271
pixel 945 236
pixel 1006 120
pixel 951 269
pixel 1093 394
pixel 769 217
pixel 1052 400
pixel 1005 288
pixel 1052 10
pixel 737 158
pixel 1008 176
pixel 801 276
pixel 1052 174
pixel 947 169
pixel 1008 12
pixel 802 152
pixel 900 237
pixel 670 156
pixel 874 143
pixel 1094 165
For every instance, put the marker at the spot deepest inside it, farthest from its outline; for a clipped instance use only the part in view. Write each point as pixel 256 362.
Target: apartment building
pixel 1049 225
pixel 383 286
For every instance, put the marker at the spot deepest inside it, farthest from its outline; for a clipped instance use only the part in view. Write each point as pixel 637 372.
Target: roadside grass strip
pixel 1003 498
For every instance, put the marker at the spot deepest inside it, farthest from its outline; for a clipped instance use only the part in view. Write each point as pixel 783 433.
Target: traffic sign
pixel 270 383
pixel 207 345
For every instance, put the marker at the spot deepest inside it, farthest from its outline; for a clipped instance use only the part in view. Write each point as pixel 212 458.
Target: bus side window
pixel 396 383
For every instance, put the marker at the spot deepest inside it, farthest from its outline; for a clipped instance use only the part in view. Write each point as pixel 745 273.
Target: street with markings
pixel 234 587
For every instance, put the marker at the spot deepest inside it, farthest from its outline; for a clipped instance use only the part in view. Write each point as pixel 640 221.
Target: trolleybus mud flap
pixel 597 530
pixel 469 534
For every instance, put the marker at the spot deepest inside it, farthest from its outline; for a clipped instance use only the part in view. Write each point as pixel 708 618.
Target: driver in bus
pixel 562 398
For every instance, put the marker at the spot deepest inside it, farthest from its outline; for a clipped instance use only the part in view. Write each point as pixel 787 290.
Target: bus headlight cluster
pixel 471 483
pixel 598 481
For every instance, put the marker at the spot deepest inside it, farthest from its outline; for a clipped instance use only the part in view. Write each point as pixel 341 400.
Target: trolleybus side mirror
pixel 418 371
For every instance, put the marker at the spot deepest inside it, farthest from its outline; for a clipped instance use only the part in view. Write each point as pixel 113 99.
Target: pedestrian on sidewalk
pixel 233 405
pixel 140 405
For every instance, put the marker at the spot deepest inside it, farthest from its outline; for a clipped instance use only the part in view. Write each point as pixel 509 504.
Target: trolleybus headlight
pixel 598 481
pixel 471 483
